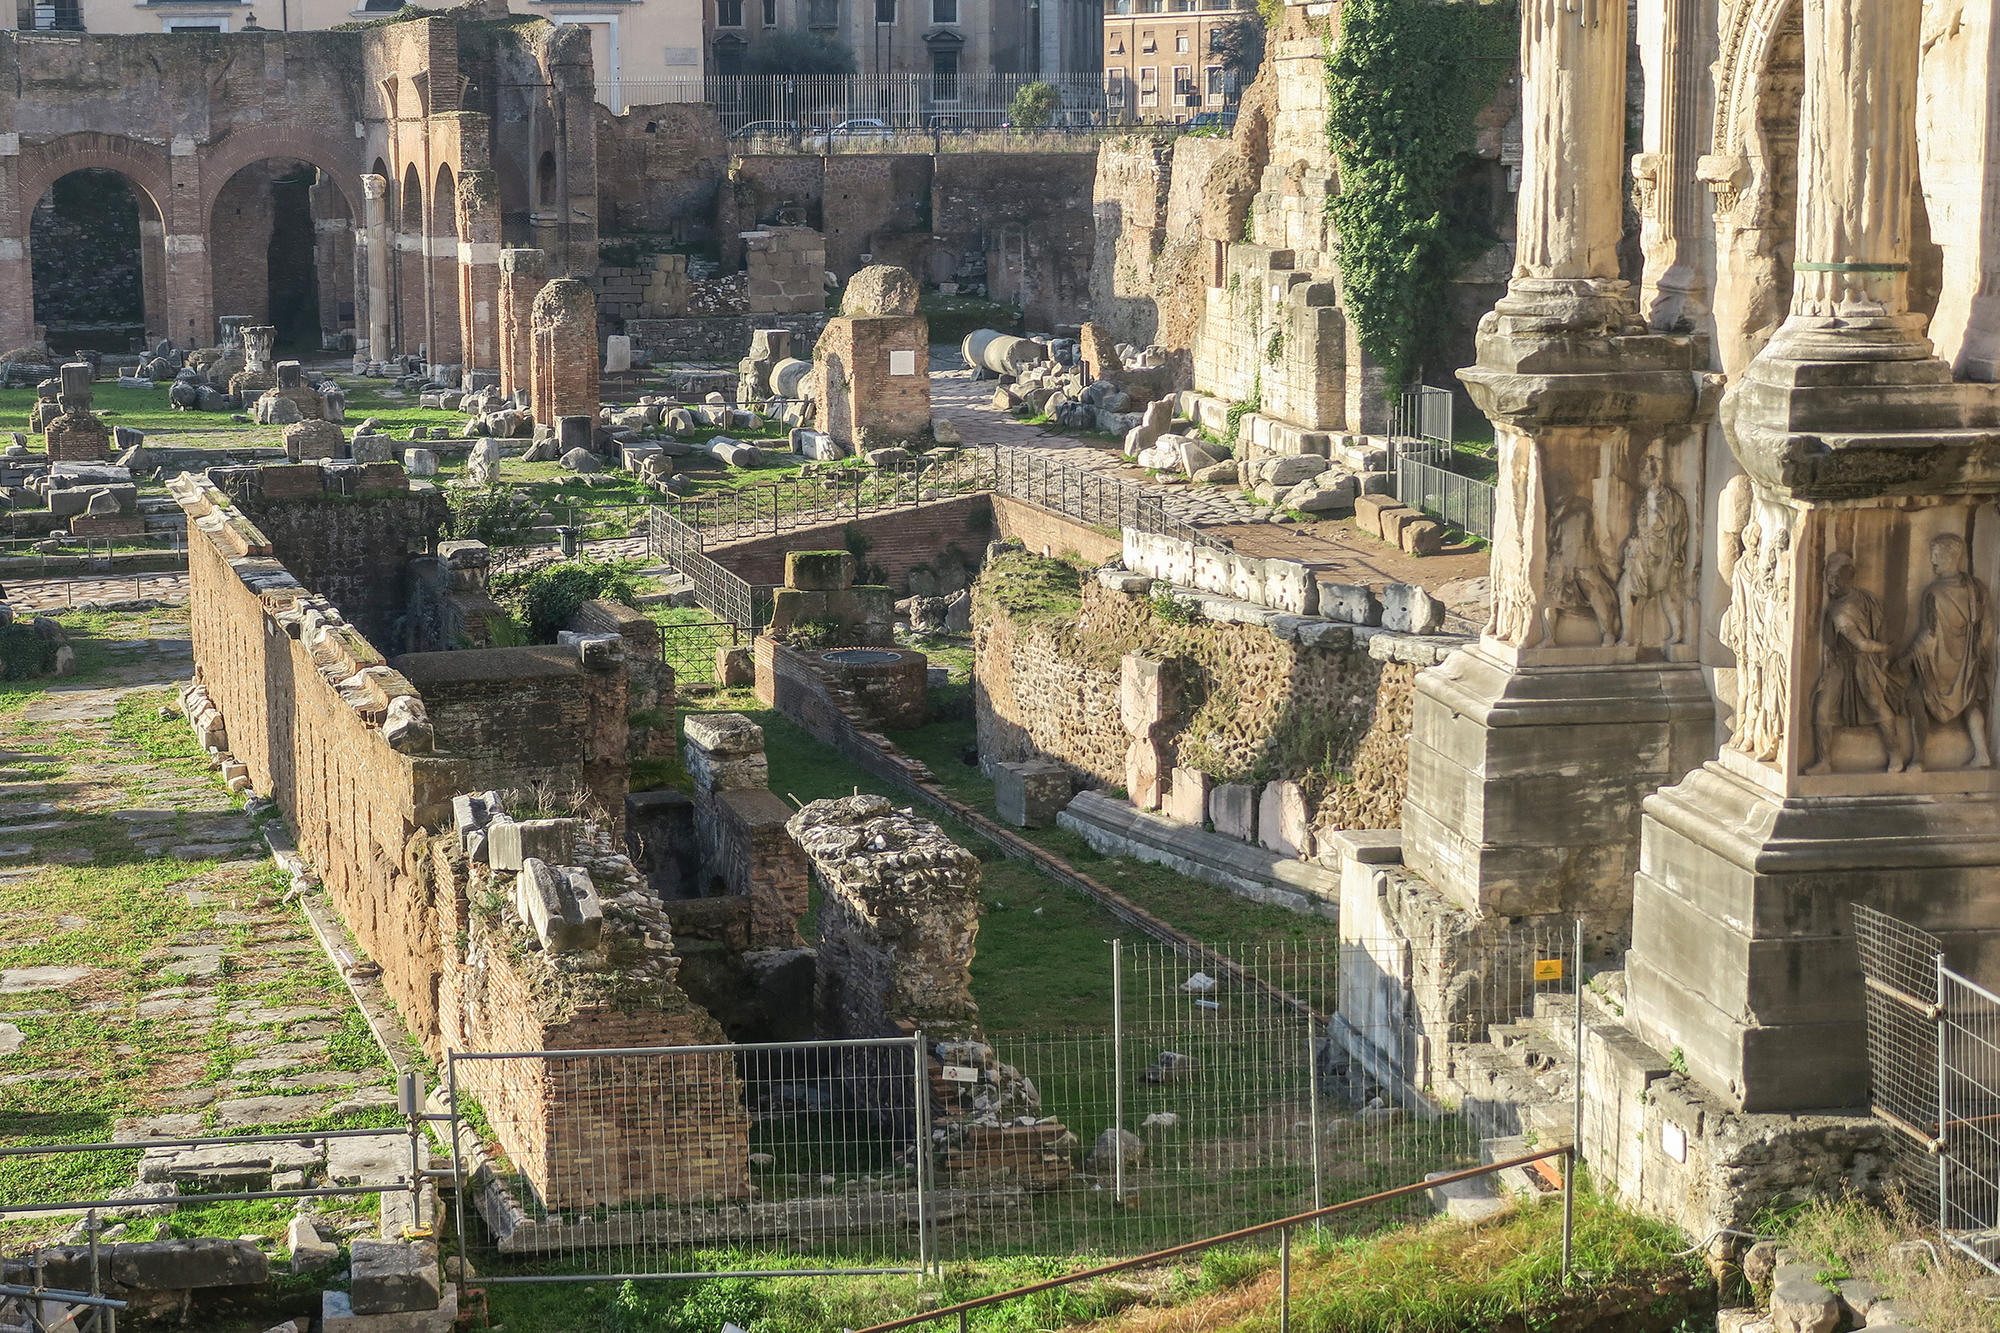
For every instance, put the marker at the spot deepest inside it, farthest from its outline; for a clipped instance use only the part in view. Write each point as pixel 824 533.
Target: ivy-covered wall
pixel 1048 641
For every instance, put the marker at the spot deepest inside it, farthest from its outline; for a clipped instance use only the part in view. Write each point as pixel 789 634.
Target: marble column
pixel 1862 544
pixel 1531 752
pixel 1675 40
pixel 375 239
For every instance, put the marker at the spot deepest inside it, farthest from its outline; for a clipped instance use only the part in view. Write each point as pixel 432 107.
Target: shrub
pixel 1034 106
pixel 544 597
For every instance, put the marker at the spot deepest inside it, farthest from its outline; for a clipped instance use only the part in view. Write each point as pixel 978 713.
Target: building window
pixel 1146 41
pixel 728 13
pixel 823 13
pixel 1215 80
pixel 1118 44
pixel 944 11
pixel 1149 86
pixel 885 11
pixel 1114 88
pixel 1180 43
pixel 944 70
pixel 770 13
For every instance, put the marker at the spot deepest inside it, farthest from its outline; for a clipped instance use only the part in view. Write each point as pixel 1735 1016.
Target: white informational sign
pixel 902 363
pixel 1674 1141
pixel 960 1074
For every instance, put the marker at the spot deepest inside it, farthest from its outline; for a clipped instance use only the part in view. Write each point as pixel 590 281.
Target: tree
pixel 1034 106
pixel 1239 45
pixel 799 53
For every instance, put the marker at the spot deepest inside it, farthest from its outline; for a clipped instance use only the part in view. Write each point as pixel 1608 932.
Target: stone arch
pixel 1753 170
pixel 97 250
pixel 221 161
pixel 145 165
pixel 410 276
pixel 443 234
pixel 280 240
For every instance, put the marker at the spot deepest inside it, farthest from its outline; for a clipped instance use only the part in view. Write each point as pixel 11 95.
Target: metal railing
pixel 1934 1078
pixel 853 112
pixel 679 547
pixel 1423 413
pixel 1457 501
pixel 1284 1226
pixel 1089 496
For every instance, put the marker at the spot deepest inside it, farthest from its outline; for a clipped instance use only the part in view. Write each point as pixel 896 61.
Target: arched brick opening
pixel 280 241
pixel 147 173
pixel 444 238
pixel 411 280
pixel 94 246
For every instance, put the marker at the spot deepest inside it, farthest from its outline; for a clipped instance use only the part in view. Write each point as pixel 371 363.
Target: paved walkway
pixel 153 982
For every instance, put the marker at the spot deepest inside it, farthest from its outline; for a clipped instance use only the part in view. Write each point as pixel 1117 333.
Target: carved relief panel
pixel 1892 632
pixel 1596 556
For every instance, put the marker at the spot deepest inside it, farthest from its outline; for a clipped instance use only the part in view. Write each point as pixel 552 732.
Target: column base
pixel 1525 784
pixel 1744 959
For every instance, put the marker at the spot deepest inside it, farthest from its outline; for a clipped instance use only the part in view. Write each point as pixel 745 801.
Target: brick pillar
pixel 565 352
pixel 190 285
pixel 17 287
pixel 479 270
pixel 410 284
pixel 442 301
pixel 522 273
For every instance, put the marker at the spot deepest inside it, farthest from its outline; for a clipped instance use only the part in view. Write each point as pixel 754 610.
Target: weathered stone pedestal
pixel 872 364
pixel 1525 784
pixel 77 434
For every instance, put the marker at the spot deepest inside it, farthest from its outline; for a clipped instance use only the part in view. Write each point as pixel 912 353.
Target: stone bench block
pixel 561 905
pixel 1030 794
pixel 510 843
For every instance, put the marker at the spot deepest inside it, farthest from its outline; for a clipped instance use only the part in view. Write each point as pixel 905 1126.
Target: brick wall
pixel 1031 214
pixel 1048 533
pixel 746 847
pixel 598 1132
pixel 660 169
pixel 349 548
pixel 898 541
pixel 355 803
pixel 717 338
pixel 529 718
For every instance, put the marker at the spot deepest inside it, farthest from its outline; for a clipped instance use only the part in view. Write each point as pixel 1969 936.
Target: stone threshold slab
pixel 1118 828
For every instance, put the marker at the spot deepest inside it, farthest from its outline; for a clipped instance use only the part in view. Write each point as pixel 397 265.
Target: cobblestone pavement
pixel 153 981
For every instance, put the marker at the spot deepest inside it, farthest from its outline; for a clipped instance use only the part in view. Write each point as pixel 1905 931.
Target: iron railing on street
pixel 833 113
pixel 1934 1078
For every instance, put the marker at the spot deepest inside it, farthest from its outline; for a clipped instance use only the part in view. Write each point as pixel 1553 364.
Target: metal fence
pixel 1087 495
pixel 1934 1077
pixel 1423 413
pixel 1456 501
pixel 678 546
pixel 689 646
pixel 858 113
pixel 1201 1098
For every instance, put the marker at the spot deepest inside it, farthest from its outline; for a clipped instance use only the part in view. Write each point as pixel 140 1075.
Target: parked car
pixel 765 129
pixel 861 126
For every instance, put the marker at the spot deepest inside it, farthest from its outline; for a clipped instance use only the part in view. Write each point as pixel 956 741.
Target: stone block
pixel 1350 603
pixel 391 1277
pixel 308 440
pixel 511 843
pixel 817 445
pixel 1187 801
pixel 1143 701
pixel 1424 536
pixel 1142 774
pixel 1232 809
pixel 420 462
pixel 1030 794
pixel 632 457
pixel 735 667
pixel 724 733
pixel 718 772
pixel 560 905
pixel 1283 822
pixel 310 1252
pixel 819 571
pixel 1411 610
pixel 1368 509
pixel 372 449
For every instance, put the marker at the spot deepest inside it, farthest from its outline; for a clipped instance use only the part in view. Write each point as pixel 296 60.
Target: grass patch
pixel 1032 587
pixel 1850 1238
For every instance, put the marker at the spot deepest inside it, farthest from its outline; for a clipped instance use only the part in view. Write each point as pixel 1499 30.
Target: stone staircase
pixel 1518 1088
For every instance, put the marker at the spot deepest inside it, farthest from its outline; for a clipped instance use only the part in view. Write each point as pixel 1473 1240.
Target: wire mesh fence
pixel 1214 1094
pixel 1464 503
pixel 1934 1077
pixel 688 645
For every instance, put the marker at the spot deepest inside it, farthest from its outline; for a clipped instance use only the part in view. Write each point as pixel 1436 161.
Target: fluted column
pixel 1571 214
pixel 375 236
pixel 1857 168
pixel 1676 38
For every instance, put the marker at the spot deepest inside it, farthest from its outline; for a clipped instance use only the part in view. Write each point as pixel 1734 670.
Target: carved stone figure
pixel 1575 579
pixel 1856 687
pixel 1655 568
pixel 1949 660
pixel 1757 628
pixel 1517 553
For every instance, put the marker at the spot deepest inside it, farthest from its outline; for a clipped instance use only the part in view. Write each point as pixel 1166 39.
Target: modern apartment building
pixel 1160 61
pixel 943 39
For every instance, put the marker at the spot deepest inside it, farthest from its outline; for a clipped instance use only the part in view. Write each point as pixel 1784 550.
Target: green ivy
pixel 1405 84
pixel 543 598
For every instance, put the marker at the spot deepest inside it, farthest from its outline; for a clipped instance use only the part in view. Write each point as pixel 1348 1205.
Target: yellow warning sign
pixel 1548 969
